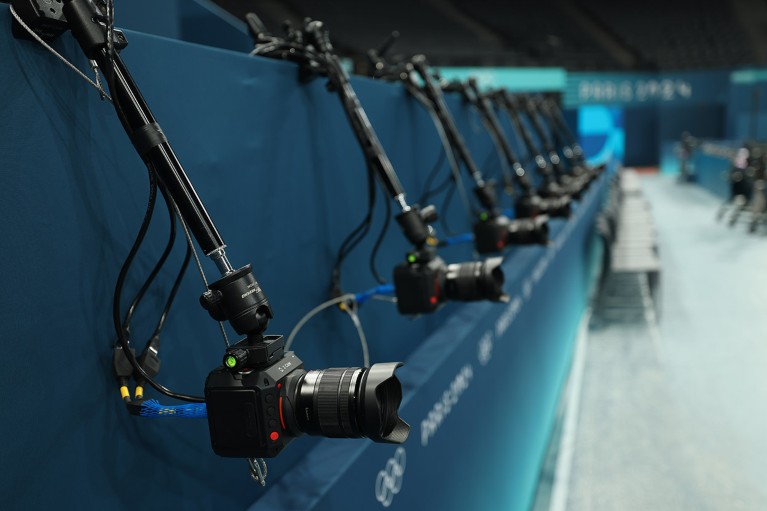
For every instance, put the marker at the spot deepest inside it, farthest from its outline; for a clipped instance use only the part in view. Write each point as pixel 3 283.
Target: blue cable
pixel 383 289
pixel 458 239
pixel 152 408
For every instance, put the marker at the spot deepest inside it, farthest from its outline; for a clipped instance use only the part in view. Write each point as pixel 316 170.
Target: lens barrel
pixel 557 207
pixel 529 231
pixel 349 402
pixel 476 280
pixel 532 205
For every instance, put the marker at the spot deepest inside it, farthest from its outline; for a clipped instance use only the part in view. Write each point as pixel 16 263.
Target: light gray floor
pixel 675 418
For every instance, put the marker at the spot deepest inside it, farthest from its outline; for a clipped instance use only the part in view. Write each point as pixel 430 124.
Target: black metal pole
pixel 485 108
pixel 558 118
pixel 509 105
pixel 437 99
pixel 142 128
pixel 530 108
pixel 363 130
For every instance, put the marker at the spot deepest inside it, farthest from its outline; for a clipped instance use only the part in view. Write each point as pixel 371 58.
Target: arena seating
pixel 687 36
pixel 529 32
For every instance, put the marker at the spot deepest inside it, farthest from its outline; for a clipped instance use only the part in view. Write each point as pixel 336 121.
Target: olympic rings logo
pixel 389 480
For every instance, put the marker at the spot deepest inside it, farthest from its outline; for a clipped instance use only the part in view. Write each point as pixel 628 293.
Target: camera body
pixel 531 205
pixel 491 233
pixel 425 282
pixel 420 284
pixel 262 398
pixel 244 403
pixel 495 232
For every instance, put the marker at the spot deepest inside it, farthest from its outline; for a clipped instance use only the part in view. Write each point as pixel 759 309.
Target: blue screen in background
pixel 601 133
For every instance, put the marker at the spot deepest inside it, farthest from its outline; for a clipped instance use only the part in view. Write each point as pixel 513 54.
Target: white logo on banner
pixel 389 480
pixel 485 348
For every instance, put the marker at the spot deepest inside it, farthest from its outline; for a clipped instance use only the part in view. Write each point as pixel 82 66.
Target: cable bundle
pixel 152 408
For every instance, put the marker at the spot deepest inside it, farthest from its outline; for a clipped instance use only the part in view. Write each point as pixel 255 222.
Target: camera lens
pixel 557 207
pixel 349 402
pixel 528 231
pixel 477 280
pixel 574 187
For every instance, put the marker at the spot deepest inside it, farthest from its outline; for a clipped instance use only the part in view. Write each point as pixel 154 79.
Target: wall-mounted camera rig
pixel 532 106
pixel 529 202
pixel 550 186
pixel 260 398
pixel 423 282
pixel 548 105
pixel 492 230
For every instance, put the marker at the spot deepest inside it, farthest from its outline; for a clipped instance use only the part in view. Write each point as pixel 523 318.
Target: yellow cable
pixel 139 392
pixel 124 392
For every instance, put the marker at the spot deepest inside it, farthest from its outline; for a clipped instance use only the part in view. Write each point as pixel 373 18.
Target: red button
pixel 274 436
pixel 433 300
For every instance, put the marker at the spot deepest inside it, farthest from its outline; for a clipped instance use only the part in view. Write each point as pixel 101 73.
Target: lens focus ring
pixel 334 402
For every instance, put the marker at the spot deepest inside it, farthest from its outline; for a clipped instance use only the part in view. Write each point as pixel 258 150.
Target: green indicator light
pixel 231 361
pixel 483 216
pixel 411 258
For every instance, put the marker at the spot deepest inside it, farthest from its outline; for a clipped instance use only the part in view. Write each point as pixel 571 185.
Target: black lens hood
pixel 526 231
pixel 559 207
pixel 493 278
pixel 380 396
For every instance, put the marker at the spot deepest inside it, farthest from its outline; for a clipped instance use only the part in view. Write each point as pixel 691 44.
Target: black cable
pixel 116 316
pixel 355 237
pixel 449 180
pixel 362 229
pixel 305 57
pixel 172 295
pixel 158 266
pixel 379 240
pixel 443 216
pixel 431 177
pixel 489 158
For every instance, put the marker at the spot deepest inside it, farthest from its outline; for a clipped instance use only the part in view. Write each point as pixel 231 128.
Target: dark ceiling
pixel 575 34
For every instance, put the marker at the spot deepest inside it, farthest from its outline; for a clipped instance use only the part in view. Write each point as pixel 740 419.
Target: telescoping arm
pixel 472 93
pixel 529 203
pixel 414 222
pixel 571 149
pixel 574 183
pixel 493 231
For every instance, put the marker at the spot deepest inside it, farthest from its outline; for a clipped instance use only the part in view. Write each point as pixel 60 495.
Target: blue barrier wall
pixel 481 392
pixel 710 163
pixel 658 107
pixel 712 160
pixel 747 105
pixel 281 174
pixel 194 21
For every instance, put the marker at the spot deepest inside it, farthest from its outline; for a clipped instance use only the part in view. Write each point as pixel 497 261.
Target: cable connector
pixel 150 362
pixel 122 367
pixel 123 371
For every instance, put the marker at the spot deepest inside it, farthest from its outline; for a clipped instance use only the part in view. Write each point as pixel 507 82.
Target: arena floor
pixel 669 411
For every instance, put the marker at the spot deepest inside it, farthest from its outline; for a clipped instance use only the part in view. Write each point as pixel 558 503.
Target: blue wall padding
pixel 746 116
pixel 283 178
pixel 487 451
pixel 193 21
pixel 710 163
pixel 712 168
